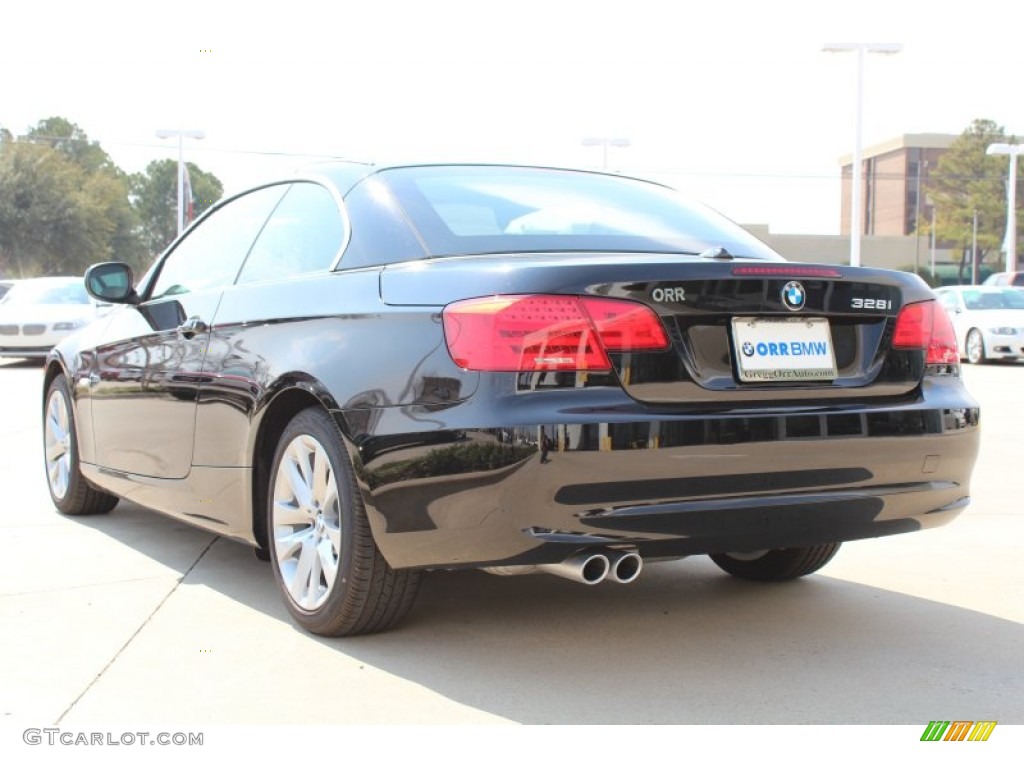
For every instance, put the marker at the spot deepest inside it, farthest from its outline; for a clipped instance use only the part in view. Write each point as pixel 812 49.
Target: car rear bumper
pixel 665 487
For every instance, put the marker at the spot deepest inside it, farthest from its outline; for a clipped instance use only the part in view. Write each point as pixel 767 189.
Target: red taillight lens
pixel 914 326
pixel 942 349
pixel 625 326
pixel 925 325
pixel 547 333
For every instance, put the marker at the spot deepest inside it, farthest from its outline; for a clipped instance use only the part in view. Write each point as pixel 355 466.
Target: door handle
pixel 194 325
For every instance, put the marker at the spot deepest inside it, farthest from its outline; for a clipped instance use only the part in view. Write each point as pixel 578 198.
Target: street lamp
pixel 604 141
pixel 1011 200
pixel 166 134
pixel 855 191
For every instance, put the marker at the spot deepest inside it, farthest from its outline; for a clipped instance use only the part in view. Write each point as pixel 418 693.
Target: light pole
pixel 855 190
pixel 1011 200
pixel 932 244
pixel 193 134
pixel 974 249
pixel 604 142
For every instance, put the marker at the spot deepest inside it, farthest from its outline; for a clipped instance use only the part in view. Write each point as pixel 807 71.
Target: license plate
pixel 783 349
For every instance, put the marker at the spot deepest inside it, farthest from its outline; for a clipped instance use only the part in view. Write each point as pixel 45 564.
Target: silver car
pixel 35 314
pixel 988 320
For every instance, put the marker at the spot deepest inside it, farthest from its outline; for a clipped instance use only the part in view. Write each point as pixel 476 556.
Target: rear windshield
pixel 481 209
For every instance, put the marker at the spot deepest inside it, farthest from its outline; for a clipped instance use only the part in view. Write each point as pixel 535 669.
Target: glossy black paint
pixel 180 401
pixel 623 473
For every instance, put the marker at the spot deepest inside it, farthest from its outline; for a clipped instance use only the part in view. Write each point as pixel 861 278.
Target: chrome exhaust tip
pixel 584 567
pixel 624 567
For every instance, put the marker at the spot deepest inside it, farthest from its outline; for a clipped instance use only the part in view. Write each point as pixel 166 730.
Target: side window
pixel 210 256
pixel 949 301
pixel 304 234
pixel 1018 278
pixel 380 232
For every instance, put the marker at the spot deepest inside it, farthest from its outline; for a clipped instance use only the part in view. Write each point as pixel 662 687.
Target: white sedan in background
pixel 35 314
pixel 989 321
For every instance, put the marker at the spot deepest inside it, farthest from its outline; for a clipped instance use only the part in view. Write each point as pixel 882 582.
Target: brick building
pixel 894 175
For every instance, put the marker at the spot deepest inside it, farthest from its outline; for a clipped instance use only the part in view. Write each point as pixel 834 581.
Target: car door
pixel 302 238
pixel 148 370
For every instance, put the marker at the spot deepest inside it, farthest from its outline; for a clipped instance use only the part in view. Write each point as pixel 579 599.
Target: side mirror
pixel 111 282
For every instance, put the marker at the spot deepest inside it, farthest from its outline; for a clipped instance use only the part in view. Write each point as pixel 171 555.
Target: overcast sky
pixel 731 100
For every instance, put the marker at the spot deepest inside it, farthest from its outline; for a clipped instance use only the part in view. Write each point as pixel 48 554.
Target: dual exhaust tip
pixel 590 567
pixel 595 567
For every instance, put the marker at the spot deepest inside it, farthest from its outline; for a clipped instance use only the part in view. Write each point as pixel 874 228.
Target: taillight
pixel 547 332
pixel 914 326
pixel 925 325
pixel 625 326
pixel 942 349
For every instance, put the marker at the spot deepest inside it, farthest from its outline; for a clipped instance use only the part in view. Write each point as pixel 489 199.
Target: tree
pixel 63 203
pixel 968 181
pixel 64 136
pixel 154 195
pixel 42 221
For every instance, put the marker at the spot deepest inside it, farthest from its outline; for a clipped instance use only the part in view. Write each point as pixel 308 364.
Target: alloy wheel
pixel 57 436
pixel 975 347
pixel 306 521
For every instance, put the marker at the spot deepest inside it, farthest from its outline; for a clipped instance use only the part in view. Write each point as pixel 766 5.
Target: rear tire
pixel 70 492
pixel 976 347
pixel 334 580
pixel 776 564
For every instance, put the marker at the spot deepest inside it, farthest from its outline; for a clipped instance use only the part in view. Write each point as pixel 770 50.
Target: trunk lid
pixel 715 312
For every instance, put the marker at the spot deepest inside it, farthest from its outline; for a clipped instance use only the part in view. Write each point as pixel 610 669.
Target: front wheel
pixel 776 564
pixel 70 492
pixel 975 347
pixel 334 580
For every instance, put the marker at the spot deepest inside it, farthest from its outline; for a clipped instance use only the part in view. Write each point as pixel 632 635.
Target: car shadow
pixel 684 644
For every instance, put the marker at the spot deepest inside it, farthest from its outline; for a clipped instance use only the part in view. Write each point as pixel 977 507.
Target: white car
pixel 989 321
pixel 1005 278
pixel 37 313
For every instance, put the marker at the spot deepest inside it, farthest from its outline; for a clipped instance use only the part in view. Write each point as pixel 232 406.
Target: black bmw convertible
pixel 370 372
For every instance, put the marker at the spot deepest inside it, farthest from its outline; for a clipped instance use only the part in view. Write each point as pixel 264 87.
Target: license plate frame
pixel 783 350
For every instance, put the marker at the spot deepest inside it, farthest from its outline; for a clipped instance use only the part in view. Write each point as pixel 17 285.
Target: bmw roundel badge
pixel 748 348
pixel 793 295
